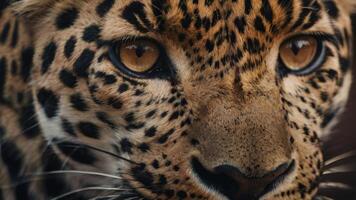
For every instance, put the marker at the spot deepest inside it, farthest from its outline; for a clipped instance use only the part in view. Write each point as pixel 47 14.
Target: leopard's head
pixel 191 99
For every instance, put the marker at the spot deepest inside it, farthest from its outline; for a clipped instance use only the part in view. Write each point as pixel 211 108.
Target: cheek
pixel 309 100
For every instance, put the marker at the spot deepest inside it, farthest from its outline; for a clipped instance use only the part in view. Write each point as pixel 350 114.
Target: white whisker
pixel 87 189
pixel 323 198
pixel 104 197
pixel 340 157
pixel 335 185
pixel 77 172
pixel 340 169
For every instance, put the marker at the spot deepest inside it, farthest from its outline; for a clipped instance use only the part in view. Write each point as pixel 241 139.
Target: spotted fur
pixel 74 126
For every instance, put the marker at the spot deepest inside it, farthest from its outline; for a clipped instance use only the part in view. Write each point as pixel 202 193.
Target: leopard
pixel 170 99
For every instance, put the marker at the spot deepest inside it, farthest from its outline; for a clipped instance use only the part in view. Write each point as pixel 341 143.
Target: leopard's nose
pixel 235 185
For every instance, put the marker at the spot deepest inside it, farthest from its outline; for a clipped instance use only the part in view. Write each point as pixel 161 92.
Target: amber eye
pixel 141 58
pixel 301 55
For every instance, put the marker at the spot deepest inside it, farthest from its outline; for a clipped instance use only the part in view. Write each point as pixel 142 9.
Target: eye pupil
pixel 295 48
pixel 140 51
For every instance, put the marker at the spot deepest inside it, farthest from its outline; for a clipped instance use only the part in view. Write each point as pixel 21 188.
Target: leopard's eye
pixel 140 58
pixel 301 55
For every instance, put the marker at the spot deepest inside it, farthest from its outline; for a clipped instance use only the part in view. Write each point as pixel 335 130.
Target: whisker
pixel 41 176
pixel 323 198
pixel 340 157
pixel 340 169
pixel 335 185
pixel 77 172
pixel 77 145
pixel 105 197
pixel 87 189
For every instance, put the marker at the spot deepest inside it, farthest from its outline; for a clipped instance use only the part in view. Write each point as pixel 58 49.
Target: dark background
pixel 343 139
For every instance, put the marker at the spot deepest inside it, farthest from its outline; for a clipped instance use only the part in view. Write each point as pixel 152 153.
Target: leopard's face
pixel 200 99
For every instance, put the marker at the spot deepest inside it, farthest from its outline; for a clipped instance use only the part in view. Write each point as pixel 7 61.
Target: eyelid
pixel 324 37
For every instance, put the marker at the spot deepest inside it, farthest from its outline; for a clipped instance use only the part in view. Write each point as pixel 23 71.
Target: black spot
pixel 248 6
pixel 135 14
pixel 49 102
pixel 331 8
pixel 78 102
pixel 76 152
pixel 14 68
pixel 28 122
pixel 253 45
pixel 266 10
pixel 194 142
pixel 15 34
pixel 181 194
pixel 66 18
pixel 91 33
pixel 165 137
pixel 126 145
pixel 143 176
pixel 68 78
pixel 344 64
pixel 115 103
pixel 3 72
pixel 26 63
pixel 104 7
pixel 324 96
pixel 155 164
pixel 53 185
pixel 2 132
pixel 123 88
pixel 159 8
pixel 82 64
pixel 209 46
pixel 109 79
pixel 5 32
pixel 49 52
pixel 70 46
pixel 12 157
pixel 186 21
pixel 259 26
pixel 174 115
pixel 162 180
pixel 68 127
pixel 103 117
pixel 169 193
pixel 151 132
pixel 89 129
pixel 144 147
pixel 240 23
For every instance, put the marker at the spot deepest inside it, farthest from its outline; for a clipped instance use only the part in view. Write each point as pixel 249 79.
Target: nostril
pixel 255 185
pixel 229 180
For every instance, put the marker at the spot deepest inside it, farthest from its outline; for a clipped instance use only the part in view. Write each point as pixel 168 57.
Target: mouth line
pixel 274 185
pixel 228 187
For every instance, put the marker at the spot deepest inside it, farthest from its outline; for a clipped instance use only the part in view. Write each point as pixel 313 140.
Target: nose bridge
pixel 249 132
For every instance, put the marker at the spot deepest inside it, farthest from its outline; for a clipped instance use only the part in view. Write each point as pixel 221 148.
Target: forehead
pixel 218 33
pixel 247 16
